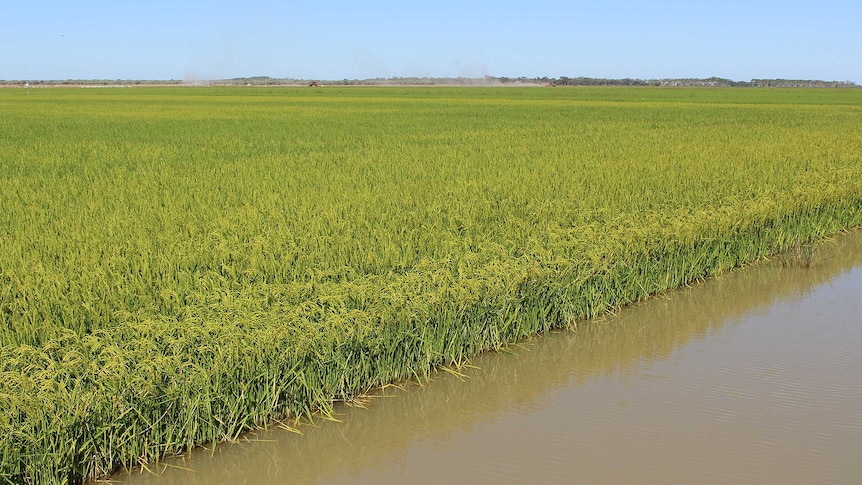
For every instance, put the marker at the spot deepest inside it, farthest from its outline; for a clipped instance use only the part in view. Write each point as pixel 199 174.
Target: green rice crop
pixel 181 265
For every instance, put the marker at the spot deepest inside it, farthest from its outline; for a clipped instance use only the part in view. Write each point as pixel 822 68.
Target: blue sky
pixel 334 39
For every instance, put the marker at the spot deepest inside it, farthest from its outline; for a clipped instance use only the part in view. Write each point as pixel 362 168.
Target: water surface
pixel 752 377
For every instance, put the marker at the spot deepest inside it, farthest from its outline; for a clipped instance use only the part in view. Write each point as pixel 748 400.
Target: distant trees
pixel 802 83
pixel 464 81
pixel 691 82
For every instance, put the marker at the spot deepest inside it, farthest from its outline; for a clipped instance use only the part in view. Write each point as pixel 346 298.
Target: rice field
pixel 181 265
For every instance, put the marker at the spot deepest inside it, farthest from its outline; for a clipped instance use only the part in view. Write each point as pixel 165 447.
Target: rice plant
pixel 181 265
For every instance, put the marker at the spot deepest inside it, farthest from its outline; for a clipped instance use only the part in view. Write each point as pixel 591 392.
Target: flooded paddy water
pixel 751 377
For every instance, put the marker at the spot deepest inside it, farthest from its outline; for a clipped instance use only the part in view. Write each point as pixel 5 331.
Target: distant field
pixel 180 265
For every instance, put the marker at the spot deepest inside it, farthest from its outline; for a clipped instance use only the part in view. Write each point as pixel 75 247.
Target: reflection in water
pixel 748 378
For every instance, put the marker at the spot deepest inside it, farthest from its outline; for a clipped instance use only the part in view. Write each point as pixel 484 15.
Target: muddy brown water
pixel 751 377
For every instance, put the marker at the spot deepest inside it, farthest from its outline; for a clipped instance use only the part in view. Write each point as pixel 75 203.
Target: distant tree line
pixel 88 82
pixel 461 81
pixel 543 81
pixel 801 83
pixel 697 82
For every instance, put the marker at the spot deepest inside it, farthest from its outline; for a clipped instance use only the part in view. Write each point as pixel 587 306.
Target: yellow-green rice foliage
pixel 178 265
